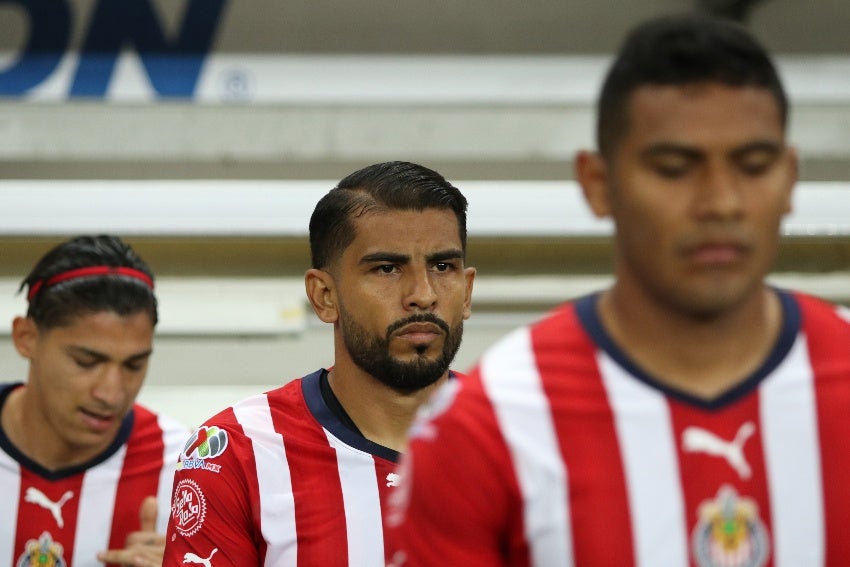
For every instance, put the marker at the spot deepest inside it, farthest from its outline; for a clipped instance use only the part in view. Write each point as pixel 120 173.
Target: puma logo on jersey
pixel 35 496
pixel 192 558
pixel 393 479
pixel 697 439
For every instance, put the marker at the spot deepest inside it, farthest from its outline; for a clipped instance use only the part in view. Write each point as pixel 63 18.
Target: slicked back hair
pixel 58 304
pixel 395 185
pixel 682 50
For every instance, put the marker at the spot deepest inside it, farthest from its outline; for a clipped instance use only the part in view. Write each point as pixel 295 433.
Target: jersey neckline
pixel 52 475
pixel 335 424
pixel 587 312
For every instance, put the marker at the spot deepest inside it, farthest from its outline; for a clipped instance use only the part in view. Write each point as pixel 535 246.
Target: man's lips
pixel 98 421
pixel 419 332
pixel 717 252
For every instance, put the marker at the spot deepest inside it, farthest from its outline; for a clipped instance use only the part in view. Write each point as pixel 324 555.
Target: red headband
pixel 86 272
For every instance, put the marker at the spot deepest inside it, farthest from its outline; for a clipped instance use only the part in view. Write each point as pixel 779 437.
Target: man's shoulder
pixel 258 413
pixel 557 329
pixel 819 312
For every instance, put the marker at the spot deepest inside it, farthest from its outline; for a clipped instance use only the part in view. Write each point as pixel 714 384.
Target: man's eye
pixel 671 170
pixel 755 166
pixel 442 266
pixel 386 268
pixel 86 363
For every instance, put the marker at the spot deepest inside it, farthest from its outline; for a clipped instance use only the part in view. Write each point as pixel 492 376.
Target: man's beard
pixel 372 353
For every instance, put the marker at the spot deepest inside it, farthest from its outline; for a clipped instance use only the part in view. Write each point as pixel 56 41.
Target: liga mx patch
pixel 729 532
pixel 205 443
pixel 43 552
pixel 188 508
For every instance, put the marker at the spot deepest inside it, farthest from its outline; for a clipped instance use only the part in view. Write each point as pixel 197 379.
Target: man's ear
pixel 24 336
pixel 469 279
pixel 592 174
pixel 321 292
pixel 793 165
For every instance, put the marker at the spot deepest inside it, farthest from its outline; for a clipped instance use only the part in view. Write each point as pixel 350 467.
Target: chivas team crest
pixel 43 552
pixel 729 532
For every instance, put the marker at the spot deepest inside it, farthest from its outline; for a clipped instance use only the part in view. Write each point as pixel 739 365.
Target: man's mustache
pixel 418 318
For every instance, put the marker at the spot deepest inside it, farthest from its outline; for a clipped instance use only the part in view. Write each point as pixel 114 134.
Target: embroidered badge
pixel 729 532
pixel 188 507
pixel 43 552
pixel 204 444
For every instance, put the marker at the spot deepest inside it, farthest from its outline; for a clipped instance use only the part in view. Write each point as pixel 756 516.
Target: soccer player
pixel 691 414
pixel 82 467
pixel 296 476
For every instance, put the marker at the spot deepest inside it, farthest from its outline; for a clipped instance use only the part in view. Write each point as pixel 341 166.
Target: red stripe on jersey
pixel 470 467
pixel 703 474
pixel 588 440
pixel 829 349
pixel 241 449
pixel 35 516
pixel 317 492
pixel 139 476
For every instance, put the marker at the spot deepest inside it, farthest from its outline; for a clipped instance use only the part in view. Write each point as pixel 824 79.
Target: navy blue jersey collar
pixel 312 390
pixel 335 423
pixel 586 308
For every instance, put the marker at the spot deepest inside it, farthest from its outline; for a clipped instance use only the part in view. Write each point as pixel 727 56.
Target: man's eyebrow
pixel 74 349
pixel 665 148
pixel 388 257
pixel 766 146
pixel 451 254
pixel 80 350
pixel 662 149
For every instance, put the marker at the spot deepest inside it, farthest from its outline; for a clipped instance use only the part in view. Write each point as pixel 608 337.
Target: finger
pixel 145 539
pixel 147 514
pixel 138 558
pixel 120 556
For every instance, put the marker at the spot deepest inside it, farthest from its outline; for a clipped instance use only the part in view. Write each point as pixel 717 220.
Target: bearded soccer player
pixel 85 472
pixel 691 414
pixel 296 476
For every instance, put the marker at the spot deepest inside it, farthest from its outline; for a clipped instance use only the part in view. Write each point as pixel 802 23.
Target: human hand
pixel 144 548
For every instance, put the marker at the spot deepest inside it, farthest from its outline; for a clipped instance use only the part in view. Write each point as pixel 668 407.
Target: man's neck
pixel 382 415
pixel 26 429
pixel 702 357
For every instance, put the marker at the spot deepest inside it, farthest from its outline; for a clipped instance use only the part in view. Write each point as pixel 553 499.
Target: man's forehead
pixel 401 230
pixel 703 109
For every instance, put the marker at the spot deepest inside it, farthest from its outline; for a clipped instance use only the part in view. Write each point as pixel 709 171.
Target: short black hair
pixel 390 185
pixel 58 304
pixel 679 50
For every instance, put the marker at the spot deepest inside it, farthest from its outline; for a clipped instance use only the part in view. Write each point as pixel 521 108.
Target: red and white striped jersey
pixel 278 479
pixel 558 450
pixel 65 517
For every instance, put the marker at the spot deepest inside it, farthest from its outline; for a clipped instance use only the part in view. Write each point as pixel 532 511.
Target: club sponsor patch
pixel 42 552
pixel 729 532
pixel 207 442
pixel 188 507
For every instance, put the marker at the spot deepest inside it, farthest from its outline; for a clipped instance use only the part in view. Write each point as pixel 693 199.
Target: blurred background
pixel 204 132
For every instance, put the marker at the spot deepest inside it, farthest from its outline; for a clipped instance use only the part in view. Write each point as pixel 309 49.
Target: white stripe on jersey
pixel 648 448
pixel 10 492
pixel 175 436
pixel 277 507
pixel 361 501
pixel 511 379
pixel 790 437
pixel 97 504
